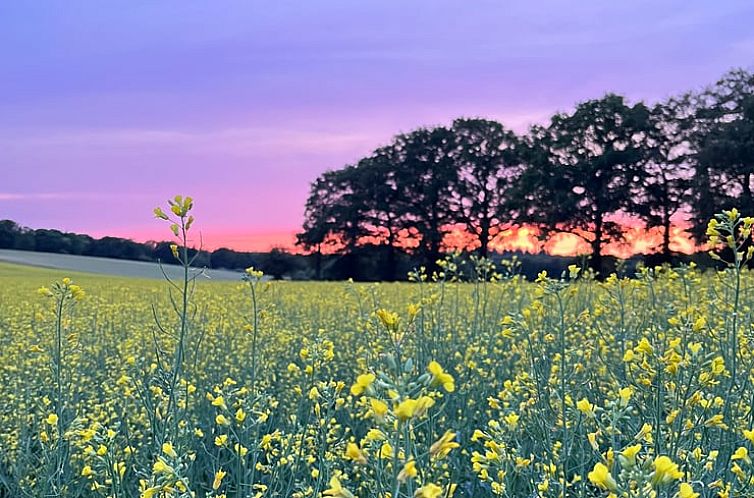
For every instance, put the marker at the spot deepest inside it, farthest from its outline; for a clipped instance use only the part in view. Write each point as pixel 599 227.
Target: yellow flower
pixel 87 471
pixel 363 382
pixel 686 490
pixel 738 471
pixel 76 292
pixel 441 378
pixel 353 452
pixel 379 407
pixel 408 471
pixel 375 435
pixel 585 407
pixel 161 467
pixel 159 213
pixel 749 434
pixel 388 319
pixel 741 454
pixel 413 310
pixel 644 346
pixel 665 471
pixel 254 273
pixel 600 476
pixel 573 271
pixel 218 479
pixel 386 451
pixel 443 446
pixel 592 438
pixel 44 291
pixel 625 395
pixel 406 409
pixel 410 408
pixel 477 435
pixel 150 492
pixel 222 440
pixel 511 420
pixel 167 448
pixel 51 419
pixel 628 455
pixel 336 490
pixel 240 415
pixel 429 490
pixel 645 433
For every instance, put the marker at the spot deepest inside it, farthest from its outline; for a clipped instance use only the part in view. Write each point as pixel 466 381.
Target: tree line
pixel 277 262
pixel 607 159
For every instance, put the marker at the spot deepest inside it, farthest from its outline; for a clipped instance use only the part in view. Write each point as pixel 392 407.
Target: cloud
pixel 63 196
pixel 241 140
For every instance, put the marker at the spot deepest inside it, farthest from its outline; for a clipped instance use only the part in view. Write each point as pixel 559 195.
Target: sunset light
pixel 376 249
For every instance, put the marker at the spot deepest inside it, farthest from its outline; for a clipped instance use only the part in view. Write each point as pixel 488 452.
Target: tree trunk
pixel 484 238
pixel 318 262
pixel 432 254
pixel 390 264
pixel 666 237
pixel 596 262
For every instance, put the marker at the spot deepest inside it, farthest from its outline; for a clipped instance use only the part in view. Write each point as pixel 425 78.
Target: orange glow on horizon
pixel 638 240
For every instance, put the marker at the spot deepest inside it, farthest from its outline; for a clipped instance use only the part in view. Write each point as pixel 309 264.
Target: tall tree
pixel 487 166
pixel 329 217
pixel 667 178
pixel 583 167
pixel 425 174
pixel 377 200
pixel 722 125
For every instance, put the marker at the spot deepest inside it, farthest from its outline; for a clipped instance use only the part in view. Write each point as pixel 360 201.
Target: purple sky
pixel 108 108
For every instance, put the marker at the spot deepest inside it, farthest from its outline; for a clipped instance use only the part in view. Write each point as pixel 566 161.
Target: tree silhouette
pixel 425 174
pixel 584 173
pixel 488 166
pixel 377 200
pixel 667 179
pixel 329 218
pixel 722 130
pixel 582 169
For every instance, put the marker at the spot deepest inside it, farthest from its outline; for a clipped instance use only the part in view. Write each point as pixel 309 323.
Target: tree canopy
pixel 584 172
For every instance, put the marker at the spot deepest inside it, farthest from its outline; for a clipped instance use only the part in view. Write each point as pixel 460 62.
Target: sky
pixel 109 108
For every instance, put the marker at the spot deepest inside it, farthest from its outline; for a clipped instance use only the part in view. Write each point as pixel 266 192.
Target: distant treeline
pixel 692 154
pixel 15 236
pixel 366 262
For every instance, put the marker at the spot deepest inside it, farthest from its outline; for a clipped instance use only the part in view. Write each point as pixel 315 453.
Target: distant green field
pixel 37 276
pixel 67 263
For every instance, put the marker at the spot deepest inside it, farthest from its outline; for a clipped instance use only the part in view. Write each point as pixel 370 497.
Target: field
pixel 103 266
pixel 566 386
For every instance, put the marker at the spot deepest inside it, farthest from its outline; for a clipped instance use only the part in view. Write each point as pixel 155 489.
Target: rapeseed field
pixel 470 382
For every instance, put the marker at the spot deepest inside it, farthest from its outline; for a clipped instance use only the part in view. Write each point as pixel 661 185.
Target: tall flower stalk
pixel 65 294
